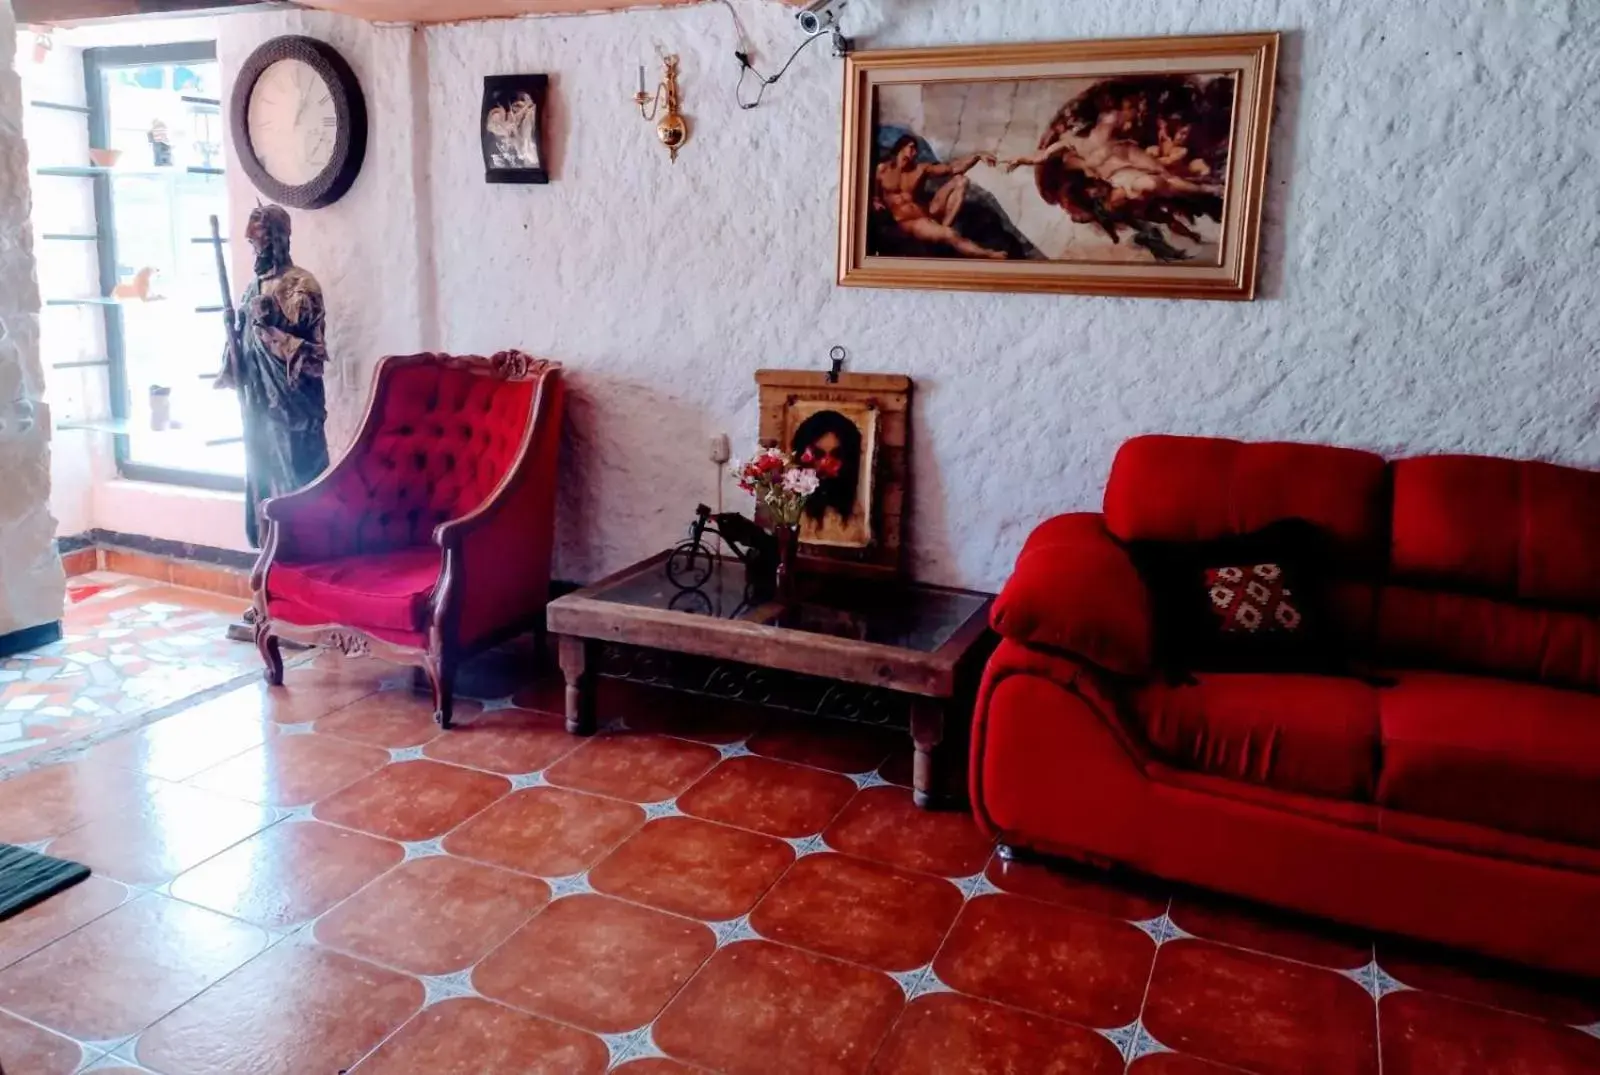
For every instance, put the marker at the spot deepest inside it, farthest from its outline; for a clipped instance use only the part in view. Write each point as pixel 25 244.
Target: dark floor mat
pixel 27 877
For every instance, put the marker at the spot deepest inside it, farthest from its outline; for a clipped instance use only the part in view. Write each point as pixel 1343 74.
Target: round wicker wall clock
pixel 299 120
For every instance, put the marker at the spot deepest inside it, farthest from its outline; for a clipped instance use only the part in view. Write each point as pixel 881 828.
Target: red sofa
pixel 1454 796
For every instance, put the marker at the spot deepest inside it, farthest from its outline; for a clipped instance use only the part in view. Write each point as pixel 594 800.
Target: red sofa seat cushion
pixel 1313 735
pixel 390 591
pixel 1512 756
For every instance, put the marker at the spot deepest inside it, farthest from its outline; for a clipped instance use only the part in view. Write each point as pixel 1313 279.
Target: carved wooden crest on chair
pixel 430 538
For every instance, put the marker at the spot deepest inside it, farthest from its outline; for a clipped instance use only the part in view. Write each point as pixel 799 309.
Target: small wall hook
pixel 837 356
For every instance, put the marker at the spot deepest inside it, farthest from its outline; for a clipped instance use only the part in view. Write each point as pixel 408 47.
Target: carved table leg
pixel 577 664
pixel 930 782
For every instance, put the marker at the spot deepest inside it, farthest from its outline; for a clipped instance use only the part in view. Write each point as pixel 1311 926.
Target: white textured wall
pixel 1429 256
pixel 31 582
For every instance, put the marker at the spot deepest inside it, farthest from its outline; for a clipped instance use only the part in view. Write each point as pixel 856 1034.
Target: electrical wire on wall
pixel 815 31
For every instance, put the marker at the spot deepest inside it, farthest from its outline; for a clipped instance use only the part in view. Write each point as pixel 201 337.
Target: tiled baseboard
pixel 179 570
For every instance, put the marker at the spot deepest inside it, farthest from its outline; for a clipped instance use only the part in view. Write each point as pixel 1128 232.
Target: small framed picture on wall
pixel 513 128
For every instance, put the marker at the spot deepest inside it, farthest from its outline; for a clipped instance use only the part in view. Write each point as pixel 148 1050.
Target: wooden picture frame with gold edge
pixel 1092 195
pixel 885 459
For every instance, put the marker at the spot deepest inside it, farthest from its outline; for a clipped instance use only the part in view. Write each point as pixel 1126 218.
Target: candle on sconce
pixel 641 80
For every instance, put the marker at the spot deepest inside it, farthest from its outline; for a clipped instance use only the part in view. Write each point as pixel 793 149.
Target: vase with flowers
pixel 781 483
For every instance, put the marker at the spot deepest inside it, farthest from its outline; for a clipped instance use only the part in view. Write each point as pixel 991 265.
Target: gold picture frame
pixel 1145 166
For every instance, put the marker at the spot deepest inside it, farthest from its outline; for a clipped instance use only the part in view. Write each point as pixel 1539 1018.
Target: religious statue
pixel 275 359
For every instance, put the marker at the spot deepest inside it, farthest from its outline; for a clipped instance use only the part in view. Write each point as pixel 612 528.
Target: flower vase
pixel 788 536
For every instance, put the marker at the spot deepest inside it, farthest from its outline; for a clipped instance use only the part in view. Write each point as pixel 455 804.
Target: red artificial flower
pixel 828 468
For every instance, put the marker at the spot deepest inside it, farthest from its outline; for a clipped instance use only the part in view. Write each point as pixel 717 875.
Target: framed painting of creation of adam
pixel 852 524
pixel 1123 167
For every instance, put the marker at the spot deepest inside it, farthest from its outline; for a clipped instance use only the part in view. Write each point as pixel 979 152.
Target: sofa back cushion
pixel 446 434
pixel 1503 528
pixel 1169 488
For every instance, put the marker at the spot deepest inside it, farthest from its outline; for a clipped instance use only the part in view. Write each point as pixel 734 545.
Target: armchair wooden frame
pixel 443 652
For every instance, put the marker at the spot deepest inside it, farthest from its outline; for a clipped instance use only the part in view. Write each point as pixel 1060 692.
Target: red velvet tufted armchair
pixel 430 538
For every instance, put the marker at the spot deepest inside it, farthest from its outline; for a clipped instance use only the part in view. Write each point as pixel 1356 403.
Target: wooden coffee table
pixel 893 654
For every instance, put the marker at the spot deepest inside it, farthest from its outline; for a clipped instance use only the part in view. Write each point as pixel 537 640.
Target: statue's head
pixel 268 233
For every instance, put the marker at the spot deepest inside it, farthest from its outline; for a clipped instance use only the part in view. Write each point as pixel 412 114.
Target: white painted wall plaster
pixel 32 586
pixel 1429 256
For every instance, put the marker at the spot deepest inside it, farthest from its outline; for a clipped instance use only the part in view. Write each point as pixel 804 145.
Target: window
pixel 158 110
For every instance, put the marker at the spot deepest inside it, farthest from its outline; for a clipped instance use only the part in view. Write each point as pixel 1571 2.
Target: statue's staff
pixel 230 370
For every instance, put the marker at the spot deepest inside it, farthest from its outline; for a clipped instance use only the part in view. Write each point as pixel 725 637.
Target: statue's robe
pixel 279 378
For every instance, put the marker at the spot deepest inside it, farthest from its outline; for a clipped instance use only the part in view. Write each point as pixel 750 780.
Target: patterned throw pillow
pixel 1253 599
pixel 1252 602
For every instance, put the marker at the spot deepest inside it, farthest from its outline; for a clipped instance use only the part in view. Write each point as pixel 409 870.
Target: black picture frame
pixel 506 157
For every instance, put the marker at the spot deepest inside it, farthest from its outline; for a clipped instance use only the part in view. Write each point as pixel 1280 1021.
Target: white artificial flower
pixel 800 481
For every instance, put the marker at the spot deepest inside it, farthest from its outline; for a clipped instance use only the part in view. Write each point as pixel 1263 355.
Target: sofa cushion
pixel 1314 735
pixel 1462 632
pixel 1076 591
pixel 1166 488
pixel 389 590
pixel 1501 527
pixel 1509 755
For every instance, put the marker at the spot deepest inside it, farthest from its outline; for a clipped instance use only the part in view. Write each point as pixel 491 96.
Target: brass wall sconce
pixel 672 130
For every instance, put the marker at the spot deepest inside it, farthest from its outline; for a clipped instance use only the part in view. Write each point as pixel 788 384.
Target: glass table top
pixel 903 615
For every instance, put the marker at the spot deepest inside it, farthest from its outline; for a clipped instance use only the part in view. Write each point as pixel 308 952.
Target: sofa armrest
pixel 1076 591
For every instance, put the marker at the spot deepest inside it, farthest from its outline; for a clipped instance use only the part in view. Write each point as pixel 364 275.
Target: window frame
pixel 96 62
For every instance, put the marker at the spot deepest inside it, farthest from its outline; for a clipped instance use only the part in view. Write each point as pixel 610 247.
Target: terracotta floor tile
pixel 179 746
pixel 760 1008
pixel 551 832
pixel 1120 896
pixel 1264 929
pixel 639 768
pixel 768 796
pixel 1499 985
pixel 693 867
pixel 1425 1034
pixel 293 770
pixel 546 695
pixel 288 874
pixel 506 741
pixel 827 744
pixel 472 1036
pixel 677 713
pixel 433 915
pixel 858 910
pixel 655 1065
pixel 897 768
pixel 58 916
pixel 126 969
pixel 30 1050
pixel 1055 961
pixel 50 801
pixel 1255 1011
pixel 883 824
pixel 170 830
pixel 1176 1064
pixel 947 1032
pixel 298 1008
pixel 595 962
pixel 393 718
pixel 412 800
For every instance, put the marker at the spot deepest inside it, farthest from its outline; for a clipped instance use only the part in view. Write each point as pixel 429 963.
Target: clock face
pixel 293 123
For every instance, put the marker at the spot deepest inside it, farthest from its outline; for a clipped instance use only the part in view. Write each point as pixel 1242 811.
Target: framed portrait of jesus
pixel 853 523
pixel 1117 167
